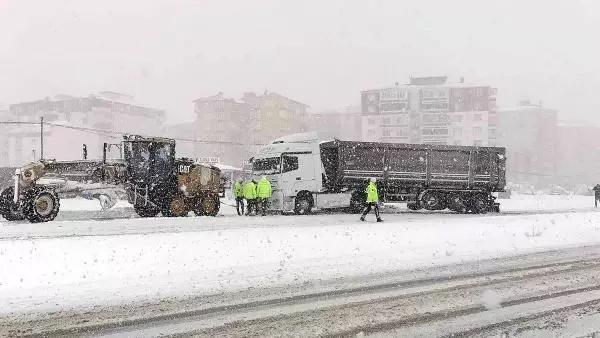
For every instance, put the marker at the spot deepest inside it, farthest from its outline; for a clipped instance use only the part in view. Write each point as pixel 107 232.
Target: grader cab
pixel 160 183
pixel 153 180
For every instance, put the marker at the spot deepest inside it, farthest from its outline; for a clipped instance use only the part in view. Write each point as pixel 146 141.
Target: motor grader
pixel 148 173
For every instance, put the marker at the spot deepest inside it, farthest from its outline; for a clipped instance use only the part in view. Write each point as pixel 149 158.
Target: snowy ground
pixel 193 256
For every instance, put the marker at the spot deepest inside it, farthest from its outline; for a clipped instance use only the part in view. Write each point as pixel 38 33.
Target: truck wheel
pixel 479 204
pixel 433 201
pixel 8 209
pixel 146 211
pixel 414 206
pixel 42 206
pixel 457 203
pixel 303 205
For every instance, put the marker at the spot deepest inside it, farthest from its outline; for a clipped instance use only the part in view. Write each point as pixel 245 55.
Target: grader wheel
pixel 207 206
pixel 177 207
pixel 8 209
pixel 42 205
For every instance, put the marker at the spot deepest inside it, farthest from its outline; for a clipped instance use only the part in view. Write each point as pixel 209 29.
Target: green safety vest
pixel 238 189
pixel 263 188
pixel 372 194
pixel 250 191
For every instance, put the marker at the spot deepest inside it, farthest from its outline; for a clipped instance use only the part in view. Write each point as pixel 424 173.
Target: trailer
pixel 434 177
pixel 308 174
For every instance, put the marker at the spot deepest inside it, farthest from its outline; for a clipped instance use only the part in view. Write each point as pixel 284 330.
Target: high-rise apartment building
pixel 430 110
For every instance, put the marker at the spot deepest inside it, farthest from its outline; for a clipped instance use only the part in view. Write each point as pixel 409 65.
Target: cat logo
pixel 184 169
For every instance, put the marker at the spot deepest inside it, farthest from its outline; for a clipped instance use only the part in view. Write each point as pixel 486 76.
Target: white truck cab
pixel 293 166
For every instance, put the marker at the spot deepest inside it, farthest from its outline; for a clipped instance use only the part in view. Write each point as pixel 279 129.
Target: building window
pixel 478 143
pixel 457 118
pixel 427 94
pixel 371 132
pixel 435 131
pixel 457 142
pixel 402 132
pixel 394 106
pixel 386 132
pixel 477 131
pixel 434 106
pixel 371 121
pixel 457 132
pixel 477 117
pixel 392 95
pixel 402 120
pixel 386 121
pixel 492 133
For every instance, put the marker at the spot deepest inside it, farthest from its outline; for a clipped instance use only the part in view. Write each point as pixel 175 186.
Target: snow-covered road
pixel 78 264
pixel 83 218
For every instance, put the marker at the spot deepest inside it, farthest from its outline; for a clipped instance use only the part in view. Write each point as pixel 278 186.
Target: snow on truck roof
pixel 409 146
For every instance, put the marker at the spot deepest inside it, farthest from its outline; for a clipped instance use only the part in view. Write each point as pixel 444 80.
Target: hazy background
pixel 168 52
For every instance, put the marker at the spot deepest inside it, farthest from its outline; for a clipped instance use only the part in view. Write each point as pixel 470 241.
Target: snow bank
pixel 81 204
pixel 62 273
pixel 520 203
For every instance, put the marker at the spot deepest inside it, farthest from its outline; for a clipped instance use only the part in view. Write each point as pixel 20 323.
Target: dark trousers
pixel 251 205
pixel 370 206
pixel 239 204
pixel 596 199
pixel 262 205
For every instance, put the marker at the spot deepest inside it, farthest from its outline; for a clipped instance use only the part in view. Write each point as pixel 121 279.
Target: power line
pixel 114 132
pixel 18 122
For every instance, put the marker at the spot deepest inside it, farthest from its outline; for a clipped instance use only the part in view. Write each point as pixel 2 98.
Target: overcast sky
pixel 322 52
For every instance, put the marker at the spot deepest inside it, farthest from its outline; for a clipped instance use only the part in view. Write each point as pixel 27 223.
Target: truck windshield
pixel 270 165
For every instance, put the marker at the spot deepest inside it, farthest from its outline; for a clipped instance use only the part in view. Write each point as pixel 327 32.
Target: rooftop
pixel 247 95
pixel 103 95
pixel 435 82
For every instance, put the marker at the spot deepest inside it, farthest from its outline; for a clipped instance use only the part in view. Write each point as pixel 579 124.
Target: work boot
pixel 379 220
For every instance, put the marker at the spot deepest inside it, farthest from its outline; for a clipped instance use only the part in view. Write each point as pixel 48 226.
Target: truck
pixel 308 174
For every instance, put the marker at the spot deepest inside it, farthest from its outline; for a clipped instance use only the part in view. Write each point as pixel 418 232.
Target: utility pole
pixel 41 138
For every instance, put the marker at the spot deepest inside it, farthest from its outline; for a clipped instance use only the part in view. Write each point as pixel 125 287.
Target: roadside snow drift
pixel 63 273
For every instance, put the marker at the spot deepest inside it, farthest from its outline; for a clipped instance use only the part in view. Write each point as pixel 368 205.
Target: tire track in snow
pixel 259 312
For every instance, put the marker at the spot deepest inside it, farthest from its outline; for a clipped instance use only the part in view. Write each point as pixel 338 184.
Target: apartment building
pixel 529 133
pixel 430 110
pixel 343 124
pixel 235 129
pixel 65 121
pixel 577 155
